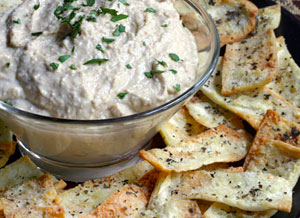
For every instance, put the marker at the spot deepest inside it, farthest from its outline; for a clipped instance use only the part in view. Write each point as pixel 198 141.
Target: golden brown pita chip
pixel 234 18
pixel 247 190
pixel 218 210
pixel 249 64
pixel 83 199
pixel 180 128
pixel 17 172
pixel 129 201
pixel 7 145
pixel 32 198
pixel 251 106
pixel 220 144
pixel 287 81
pixel 210 115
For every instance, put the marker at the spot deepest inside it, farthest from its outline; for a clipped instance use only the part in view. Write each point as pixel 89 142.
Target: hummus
pixel 87 59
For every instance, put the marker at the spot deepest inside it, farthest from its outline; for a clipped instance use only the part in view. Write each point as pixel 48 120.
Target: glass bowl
pixel 79 150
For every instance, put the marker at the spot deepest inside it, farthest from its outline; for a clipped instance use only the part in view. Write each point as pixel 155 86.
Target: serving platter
pixel 290 29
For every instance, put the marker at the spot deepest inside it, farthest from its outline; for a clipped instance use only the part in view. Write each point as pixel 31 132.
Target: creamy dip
pixel 86 59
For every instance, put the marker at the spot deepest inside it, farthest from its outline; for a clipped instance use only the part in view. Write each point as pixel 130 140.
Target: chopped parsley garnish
pixel 35 7
pixel 63 58
pixel 144 43
pixel 91 18
pixel 177 87
pixel 162 63
pixel 96 61
pixel 112 12
pixel 148 75
pixel 119 17
pixel 37 33
pixel 54 66
pixel 174 57
pixel 73 49
pixel 164 25
pixel 107 40
pixel 89 3
pixel 17 21
pixel 122 95
pixel 99 47
pixel 73 67
pixel 173 71
pixel 7 65
pixel 128 66
pixel 150 10
pixel 157 71
pixel 124 2
pixel 120 29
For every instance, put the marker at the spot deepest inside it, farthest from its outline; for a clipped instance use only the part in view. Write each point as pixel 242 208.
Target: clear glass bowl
pixel 80 150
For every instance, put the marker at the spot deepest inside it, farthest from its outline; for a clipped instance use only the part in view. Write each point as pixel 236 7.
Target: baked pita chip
pixel 7 145
pixel 251 106
pixel 234 18
pixel 218 210
pixel 7 4
pixel 287 81
pixel 211 115
pixel 83 199
pixel 220 144
pixel 129 201
pixel 180 128
pixel 17 172
pixel 247 190
pixel 268 18
pixel 249 64
pixel 31 198
pixel 276 158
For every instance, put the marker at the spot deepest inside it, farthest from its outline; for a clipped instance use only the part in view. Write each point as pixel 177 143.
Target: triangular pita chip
pixel 180 128
pixel 220 144
pixel 251 106
pixel 210 115
pixel 83 199
pixel 247 190
pixel 287 81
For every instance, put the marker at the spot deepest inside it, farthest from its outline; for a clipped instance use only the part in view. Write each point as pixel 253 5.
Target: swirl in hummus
pixel 94 59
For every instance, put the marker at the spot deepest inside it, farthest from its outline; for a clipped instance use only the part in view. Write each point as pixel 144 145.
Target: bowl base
pixel 75 173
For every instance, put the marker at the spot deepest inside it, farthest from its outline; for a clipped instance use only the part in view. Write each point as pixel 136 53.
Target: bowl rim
pixel 215 56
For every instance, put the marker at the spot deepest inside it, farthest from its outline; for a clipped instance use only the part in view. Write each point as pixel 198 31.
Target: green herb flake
pixel 177 87
pixel 174 57
pixel 122 95
pixel 120 29
pixel 96 61
pixel 35 7
pixel 150 10
pixel 128 66
pixel 119 17
pixel 148 75
pixel 54 66
pixel 73 49
pixel 89 3
pixel 162 63
pixel 157 71
pixel 99 47
pixel 107 40
pixel 63 58
pixel 7 65
pixel 10 104
pixel 73 67
pixel 124 2
pixel 17 21
pixel 173 71
pixel 164 25
pixel 144 43
pixel 112 12
pixel 37 33
pixel 91 18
